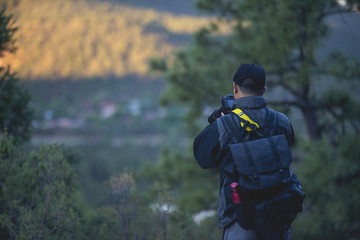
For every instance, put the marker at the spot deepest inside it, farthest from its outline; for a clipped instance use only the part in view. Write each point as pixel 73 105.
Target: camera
pixel 226 103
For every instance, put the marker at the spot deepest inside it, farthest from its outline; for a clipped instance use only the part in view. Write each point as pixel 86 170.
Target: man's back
pixel 210 145
pixel 211 148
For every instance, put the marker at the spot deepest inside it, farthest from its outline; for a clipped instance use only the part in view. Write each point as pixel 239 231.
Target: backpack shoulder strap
pixel 231 126
pixel 271 123
pixel 246 120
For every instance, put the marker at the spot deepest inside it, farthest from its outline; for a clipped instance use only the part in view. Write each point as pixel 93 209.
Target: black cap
pixel 253 72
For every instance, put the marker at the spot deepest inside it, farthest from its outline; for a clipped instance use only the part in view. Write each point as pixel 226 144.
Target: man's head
pixel 249 80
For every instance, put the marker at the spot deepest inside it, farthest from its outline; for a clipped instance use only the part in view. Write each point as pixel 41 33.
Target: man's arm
pixel 207 147
pixel 291 135
pixel 287 128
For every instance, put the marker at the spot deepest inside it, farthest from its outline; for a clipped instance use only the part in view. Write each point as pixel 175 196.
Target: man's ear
pixel 236 88
pixel 263 91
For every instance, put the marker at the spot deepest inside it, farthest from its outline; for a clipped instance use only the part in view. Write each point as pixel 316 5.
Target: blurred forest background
pixel 100 101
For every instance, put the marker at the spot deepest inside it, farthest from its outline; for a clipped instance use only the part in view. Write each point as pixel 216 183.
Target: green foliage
pixel 343 67
pixel 331 176
pixel 39 201
pixel 131 212
pixel 15 113
pixel 7 41
pixel 208 229
pixel 101 224
pixel 182 227
pixel 36 194
pixel 194 189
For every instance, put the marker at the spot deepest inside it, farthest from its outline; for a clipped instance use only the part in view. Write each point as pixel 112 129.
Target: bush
pixel 36 194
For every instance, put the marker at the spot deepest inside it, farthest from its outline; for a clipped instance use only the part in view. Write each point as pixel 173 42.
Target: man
pixel 211 147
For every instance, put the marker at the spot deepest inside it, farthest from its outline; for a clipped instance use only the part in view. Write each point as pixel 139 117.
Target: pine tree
pixel 283 37
pixel 15 113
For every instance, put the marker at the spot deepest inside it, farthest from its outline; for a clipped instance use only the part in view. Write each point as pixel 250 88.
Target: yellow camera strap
pixel 245 117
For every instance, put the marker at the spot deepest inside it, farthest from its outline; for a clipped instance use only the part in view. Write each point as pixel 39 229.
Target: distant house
pixel 108 109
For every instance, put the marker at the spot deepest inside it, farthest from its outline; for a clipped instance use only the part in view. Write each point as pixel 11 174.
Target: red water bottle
pixel 235 193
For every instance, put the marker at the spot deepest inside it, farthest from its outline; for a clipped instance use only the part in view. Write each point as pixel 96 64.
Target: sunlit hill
pixel 79 39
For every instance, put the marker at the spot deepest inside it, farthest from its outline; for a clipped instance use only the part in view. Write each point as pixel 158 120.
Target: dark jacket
pixel 211 148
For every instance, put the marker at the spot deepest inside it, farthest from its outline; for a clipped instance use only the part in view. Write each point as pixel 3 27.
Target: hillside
pixel 62 39
pixel 79 39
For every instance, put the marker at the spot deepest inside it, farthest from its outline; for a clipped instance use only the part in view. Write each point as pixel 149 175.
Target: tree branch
pixel 283 84
pixel 337 11
pixel 300 104
pixel 346 179
pixel 353 124
pixel 285 102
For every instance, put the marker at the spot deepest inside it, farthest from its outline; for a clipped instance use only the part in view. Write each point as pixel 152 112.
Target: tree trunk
pixel 311 122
